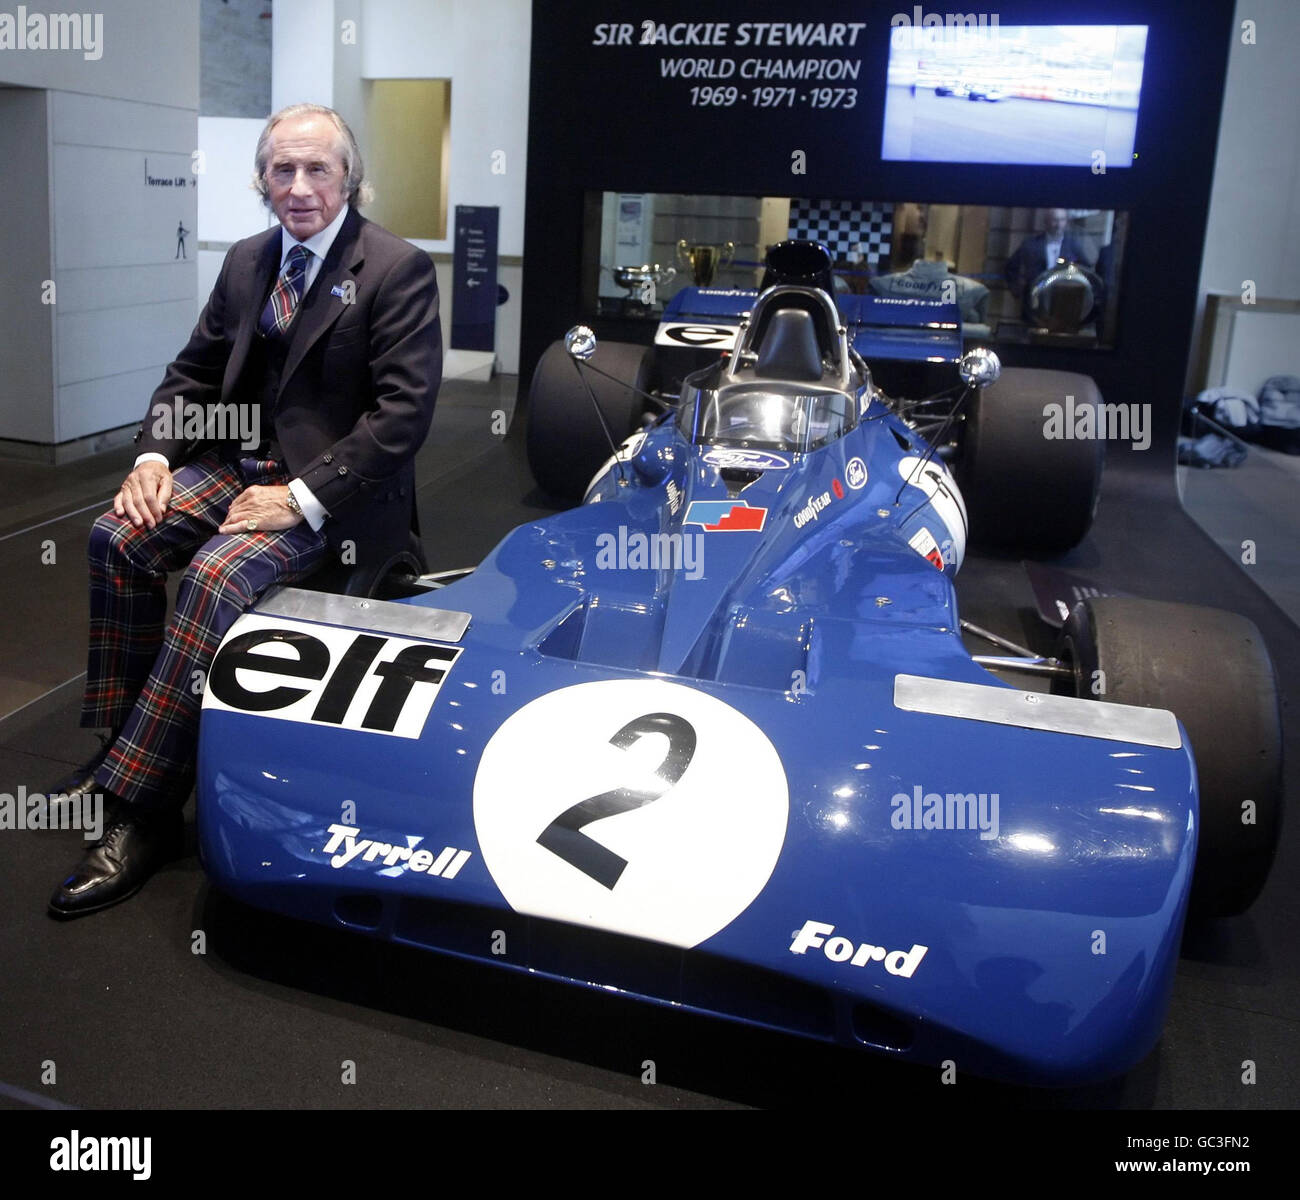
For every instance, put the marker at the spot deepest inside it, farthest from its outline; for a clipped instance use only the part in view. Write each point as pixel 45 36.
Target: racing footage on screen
pixel 1043 95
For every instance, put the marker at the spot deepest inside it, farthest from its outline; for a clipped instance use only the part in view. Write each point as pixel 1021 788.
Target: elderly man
pixel 323 335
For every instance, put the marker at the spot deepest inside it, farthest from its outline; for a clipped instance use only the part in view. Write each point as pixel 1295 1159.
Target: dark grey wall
pixel 605 118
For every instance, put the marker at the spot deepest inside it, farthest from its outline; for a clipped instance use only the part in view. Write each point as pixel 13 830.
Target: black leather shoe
pixel 136 843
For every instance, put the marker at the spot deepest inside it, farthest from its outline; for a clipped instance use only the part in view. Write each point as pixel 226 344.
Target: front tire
pixel 1212 670
pixel 1024 490
pixel 566 441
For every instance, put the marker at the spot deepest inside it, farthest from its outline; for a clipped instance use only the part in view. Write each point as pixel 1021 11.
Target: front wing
pixel 777 858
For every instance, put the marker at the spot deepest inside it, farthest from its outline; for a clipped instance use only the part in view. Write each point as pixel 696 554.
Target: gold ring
pixel 250 525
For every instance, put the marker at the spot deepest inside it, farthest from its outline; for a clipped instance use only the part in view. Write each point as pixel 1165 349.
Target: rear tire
pixel 566 442
pixel 1024 490
pixel 1212 670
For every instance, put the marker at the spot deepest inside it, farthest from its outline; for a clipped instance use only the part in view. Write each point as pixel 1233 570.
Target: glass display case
pixel 1019 275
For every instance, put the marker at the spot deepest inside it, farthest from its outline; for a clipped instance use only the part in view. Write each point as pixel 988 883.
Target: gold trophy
pixel 703 260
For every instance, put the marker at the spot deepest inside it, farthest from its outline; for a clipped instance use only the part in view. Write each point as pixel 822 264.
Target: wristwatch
pixel 292 501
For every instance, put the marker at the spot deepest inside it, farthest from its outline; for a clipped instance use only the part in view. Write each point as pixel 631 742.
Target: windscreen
pixel 768 416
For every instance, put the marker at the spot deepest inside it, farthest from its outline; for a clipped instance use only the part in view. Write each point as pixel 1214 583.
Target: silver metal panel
pixel 1033 710
pixel 382 616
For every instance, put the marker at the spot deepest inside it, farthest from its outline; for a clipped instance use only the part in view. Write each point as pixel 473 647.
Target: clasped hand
pixel 146 492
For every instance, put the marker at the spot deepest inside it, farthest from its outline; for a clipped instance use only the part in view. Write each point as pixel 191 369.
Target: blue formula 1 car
pixel 712 738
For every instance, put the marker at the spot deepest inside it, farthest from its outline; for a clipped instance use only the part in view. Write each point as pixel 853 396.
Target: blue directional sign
pixel 474 278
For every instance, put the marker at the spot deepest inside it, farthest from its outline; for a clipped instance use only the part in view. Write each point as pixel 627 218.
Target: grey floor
pixel 133 1016
pixel 1253 513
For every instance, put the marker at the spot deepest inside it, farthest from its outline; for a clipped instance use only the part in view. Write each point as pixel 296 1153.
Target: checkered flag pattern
pixel 844 226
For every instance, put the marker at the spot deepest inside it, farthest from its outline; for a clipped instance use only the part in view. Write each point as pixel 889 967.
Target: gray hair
pixel 359 192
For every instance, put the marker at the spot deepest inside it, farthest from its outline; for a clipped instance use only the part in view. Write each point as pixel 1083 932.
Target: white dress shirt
pixel 319 244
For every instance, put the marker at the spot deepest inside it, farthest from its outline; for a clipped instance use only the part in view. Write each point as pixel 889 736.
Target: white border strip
pixel 382 616
pixel 63 517
pixel 1034 710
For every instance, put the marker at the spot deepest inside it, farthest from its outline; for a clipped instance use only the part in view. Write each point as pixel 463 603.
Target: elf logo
pixel 323 675
pixel 842 949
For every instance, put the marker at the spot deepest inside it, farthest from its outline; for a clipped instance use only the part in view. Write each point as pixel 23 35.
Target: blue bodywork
pixel 1038 948
pixel 879 326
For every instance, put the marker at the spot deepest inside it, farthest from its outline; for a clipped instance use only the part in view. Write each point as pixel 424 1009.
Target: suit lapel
pixel 333 287
pixel 266 267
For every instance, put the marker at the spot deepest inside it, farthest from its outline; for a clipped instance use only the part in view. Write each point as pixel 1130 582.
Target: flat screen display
pixel 1041 95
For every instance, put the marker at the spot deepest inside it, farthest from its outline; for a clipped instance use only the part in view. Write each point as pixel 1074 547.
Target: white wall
pixel 229 208
pixel 26 319
pixel 1254 222
pixel 149 52
pixel 124 304
pixel 1263 344
pixel 483 48
pixel 303 37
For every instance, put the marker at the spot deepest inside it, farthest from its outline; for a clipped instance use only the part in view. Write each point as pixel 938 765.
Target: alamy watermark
pixel 1098 422
pixel 920 28
pixel 951 810
pixel 187 420
pixel 84 811
pixel 638 551
pixel 53 31
pixel 90 1152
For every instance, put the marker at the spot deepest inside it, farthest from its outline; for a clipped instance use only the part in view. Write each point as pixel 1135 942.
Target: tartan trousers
pixel 146 674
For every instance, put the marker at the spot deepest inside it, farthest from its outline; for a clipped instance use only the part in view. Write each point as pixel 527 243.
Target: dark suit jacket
pixel 357 390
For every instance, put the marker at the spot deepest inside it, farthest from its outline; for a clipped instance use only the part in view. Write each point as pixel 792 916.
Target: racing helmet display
pixel 1064 298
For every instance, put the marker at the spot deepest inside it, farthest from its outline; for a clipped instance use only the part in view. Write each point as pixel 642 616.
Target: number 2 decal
pixel 564 836
pixel 674 872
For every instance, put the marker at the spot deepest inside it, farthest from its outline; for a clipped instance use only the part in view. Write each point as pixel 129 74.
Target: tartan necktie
pixel 284 297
